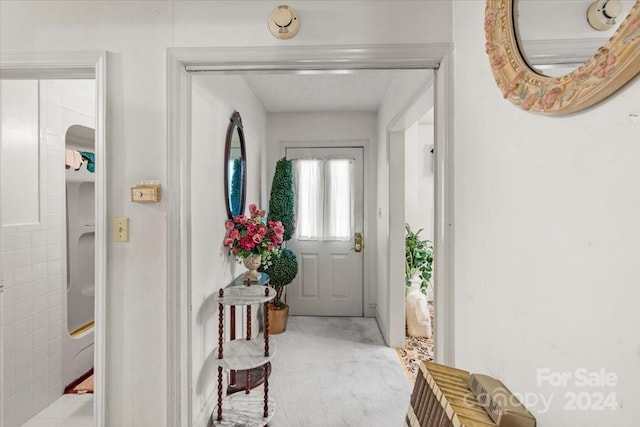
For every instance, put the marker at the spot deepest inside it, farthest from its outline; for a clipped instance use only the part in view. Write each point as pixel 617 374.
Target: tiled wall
pixel 32 310
pixel 31 321
pixel 33 269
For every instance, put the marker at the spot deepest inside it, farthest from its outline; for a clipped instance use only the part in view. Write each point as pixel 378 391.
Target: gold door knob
pixel 358 242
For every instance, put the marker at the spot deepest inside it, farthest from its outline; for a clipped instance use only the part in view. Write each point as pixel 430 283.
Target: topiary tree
pixel 281 201
pixel 282 266
pixel 282 270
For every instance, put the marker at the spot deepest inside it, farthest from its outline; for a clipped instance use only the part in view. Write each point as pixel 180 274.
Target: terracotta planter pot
pixel 278 320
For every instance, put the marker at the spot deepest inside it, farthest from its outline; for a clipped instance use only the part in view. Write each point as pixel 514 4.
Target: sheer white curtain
pixel 338 218
pixel 309 181
pixel 324 199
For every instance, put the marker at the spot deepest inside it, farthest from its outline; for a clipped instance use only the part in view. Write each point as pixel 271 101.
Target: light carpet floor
pixel 333 372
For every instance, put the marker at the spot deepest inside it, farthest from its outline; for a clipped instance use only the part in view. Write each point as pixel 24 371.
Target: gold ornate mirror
pixel 615 63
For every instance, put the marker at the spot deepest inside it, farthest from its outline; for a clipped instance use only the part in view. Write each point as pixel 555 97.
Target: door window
pixel 324 199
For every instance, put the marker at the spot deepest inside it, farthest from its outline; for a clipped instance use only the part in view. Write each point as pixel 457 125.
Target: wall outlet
pixel 121 229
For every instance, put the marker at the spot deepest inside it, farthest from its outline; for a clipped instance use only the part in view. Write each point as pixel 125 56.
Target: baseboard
pixel 203 417
pixel 371 311
pixel 383 328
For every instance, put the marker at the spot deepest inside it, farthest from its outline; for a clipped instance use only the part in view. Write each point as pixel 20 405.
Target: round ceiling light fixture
pixel 284 22
pixel 602 14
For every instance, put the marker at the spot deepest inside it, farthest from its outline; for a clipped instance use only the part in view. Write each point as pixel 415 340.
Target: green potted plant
pixel 418 259
pixel 282 267
pixel 418 271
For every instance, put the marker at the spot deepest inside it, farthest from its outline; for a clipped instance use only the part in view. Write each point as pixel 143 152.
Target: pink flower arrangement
pixel 251 235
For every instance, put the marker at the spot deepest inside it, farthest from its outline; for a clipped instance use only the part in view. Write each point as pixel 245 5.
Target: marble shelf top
pixel 245 295
pixel 241 354
pixel 241 409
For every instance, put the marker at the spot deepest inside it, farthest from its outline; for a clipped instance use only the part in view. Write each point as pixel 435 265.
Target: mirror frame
pixel 235 122
pixel 615 64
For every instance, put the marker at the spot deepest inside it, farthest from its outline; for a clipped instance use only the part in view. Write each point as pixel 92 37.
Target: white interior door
pixel 329 214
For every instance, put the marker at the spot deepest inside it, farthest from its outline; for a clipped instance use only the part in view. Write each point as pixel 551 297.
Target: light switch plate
pixel 121 229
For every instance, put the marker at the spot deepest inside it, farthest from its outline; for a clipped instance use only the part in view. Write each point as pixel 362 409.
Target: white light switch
pixel 121 229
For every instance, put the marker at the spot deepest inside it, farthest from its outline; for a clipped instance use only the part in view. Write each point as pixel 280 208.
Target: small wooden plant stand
pixel 244 354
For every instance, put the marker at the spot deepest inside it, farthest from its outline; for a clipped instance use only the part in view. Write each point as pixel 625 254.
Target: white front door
pixel 329 214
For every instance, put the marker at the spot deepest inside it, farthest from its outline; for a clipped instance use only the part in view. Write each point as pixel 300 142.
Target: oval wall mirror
pixel 614 64
pixel 235 167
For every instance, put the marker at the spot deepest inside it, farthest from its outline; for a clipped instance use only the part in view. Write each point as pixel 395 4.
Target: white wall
pixel 333 128
pixel 399 99
pixel 214 100
pixel 137 34
pixel 419 195
pixel 419 200
pixel 33 305
pixel 546 238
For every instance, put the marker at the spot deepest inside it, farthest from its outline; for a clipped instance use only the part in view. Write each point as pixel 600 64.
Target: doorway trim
pixel 74 65
pixel 181 63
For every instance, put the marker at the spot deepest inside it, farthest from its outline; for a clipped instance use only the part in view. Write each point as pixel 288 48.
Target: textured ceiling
pixel 320 92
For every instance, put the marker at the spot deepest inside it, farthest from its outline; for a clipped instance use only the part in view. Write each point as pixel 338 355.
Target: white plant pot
pixel 417 310
pixel 430 295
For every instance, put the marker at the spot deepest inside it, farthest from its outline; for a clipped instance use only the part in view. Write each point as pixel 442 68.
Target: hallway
pixel 336 371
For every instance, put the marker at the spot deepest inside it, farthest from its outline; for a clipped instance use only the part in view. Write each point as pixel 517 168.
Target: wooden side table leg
pixel 220 353
pixel 266 391
pixel 219 415
pixel 248 379
pixel 266 353
pixel 266 325
pixel 232 336
pixel 248 323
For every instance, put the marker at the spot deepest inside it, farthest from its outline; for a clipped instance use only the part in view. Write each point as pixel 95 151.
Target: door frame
pixel 71 65
pixel 181 62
